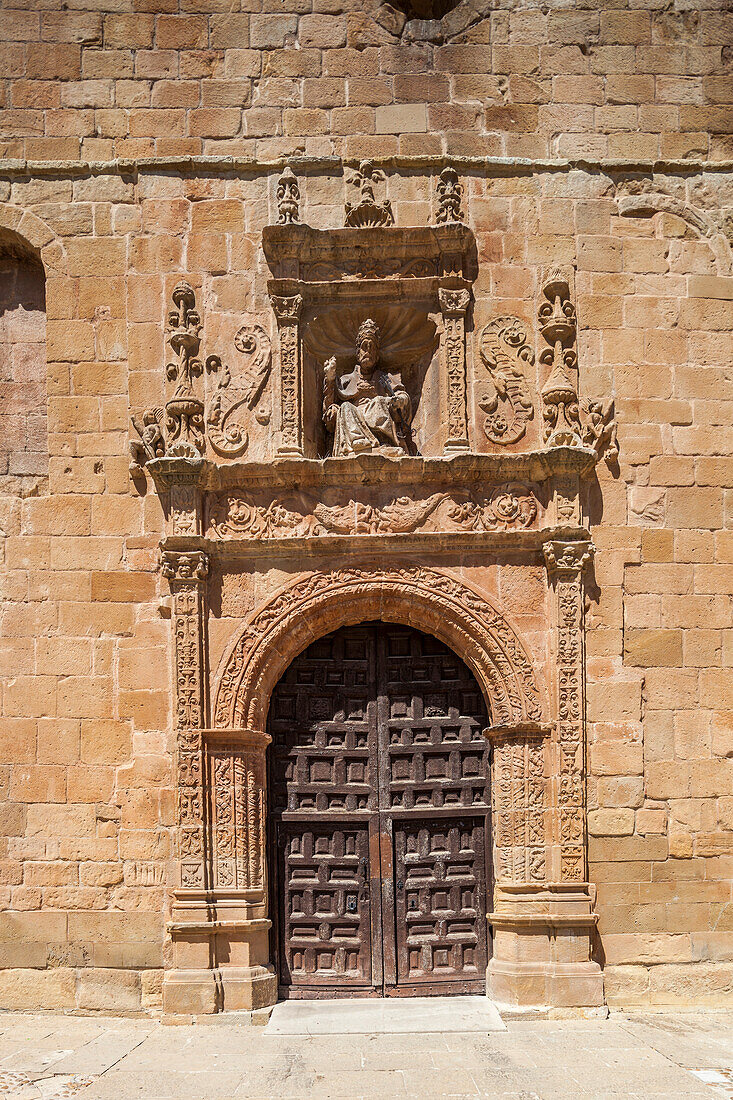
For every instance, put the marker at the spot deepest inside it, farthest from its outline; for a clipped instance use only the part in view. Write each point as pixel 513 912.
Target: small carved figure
pixel 600 430
pixel 288 198
pixel 152 443
pixel 366 410
pixel 449 196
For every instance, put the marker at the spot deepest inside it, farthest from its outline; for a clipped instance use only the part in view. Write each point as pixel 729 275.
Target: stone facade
pixel 542 242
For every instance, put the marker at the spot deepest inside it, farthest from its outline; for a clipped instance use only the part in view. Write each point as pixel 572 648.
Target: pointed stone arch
pixel 428 599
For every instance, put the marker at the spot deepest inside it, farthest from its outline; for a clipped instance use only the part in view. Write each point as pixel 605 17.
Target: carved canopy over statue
pixel 367 409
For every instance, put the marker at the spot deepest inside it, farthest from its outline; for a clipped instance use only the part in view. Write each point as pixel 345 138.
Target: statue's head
pixel 367 344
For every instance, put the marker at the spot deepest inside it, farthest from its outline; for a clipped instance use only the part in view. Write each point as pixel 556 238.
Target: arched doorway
pixel 379 817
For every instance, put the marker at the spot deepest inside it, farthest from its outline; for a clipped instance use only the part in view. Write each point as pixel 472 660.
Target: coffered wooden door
pixel 379 818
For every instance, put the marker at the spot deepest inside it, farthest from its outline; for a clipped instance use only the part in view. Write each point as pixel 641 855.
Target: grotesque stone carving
pixel 184 412
pixel 227 437
pixel 367 213
pixel 152 442
pixel 288 198
pixel 449 197
pixel 365 410
pixel 506 352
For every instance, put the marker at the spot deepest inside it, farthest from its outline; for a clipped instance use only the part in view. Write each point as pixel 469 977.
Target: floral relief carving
pixel 450 193
pixel 368 213
pixel 184 411
pixel 507 354
pixel 288 198
pixel 508 507
pixel 457 614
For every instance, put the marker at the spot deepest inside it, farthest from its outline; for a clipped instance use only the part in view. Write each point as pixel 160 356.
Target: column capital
pixel 177 568
pixel 287 309
pixel 564 559
pixel 454 303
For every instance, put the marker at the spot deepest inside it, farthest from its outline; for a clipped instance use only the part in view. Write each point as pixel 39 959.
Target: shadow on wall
pixel 425 9
pixel 23 382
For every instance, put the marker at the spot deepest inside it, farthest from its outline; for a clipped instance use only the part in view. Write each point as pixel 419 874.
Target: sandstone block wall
pixel 86 796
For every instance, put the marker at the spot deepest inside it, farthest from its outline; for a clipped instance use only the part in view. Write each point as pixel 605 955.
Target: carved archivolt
pixel 321 602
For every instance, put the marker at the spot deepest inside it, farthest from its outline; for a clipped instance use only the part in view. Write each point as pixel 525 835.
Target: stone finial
pixel 556 317
pixel 288 198
pixel 368 213
pixel 450 192
pixel 184 412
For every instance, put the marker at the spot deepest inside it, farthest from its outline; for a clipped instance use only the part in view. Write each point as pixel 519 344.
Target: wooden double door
pixel 379 819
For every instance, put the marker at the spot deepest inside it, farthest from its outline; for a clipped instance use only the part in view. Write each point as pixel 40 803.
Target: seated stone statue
pixel 367 410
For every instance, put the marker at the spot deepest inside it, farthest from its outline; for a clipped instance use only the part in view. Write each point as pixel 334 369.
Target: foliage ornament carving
pixel 556 316
pixel 367 213
pixel 450 193
pixel 506 352
pixel 237 771
pixel 509 507
pixel 320 602
pixel 519 803
pixel 184 412
pixel 228 437
pixel 288 198
pixel 453 305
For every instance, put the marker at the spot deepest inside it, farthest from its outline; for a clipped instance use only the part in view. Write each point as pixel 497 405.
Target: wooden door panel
pixel 440 901
pixel 325 937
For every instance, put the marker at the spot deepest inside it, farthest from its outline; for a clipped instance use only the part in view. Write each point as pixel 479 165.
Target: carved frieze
pixel 236 515
pixel 506 351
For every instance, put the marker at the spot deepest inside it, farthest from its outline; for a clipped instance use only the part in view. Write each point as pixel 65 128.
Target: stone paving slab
pixel 627 1057
pixel 416 1015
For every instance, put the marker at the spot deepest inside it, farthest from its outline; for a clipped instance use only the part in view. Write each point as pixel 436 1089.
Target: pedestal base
pixel 542 948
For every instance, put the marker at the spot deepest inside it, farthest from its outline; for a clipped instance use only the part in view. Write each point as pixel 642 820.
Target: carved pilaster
pixel 565 564
pixel 186 573
pixel 519 804
pixel 237 782
pixel 453 305
pixel 287 312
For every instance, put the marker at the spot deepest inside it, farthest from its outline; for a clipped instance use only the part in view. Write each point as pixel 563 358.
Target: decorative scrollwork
pixel 228 437
pixel 508 507
pixel 505 349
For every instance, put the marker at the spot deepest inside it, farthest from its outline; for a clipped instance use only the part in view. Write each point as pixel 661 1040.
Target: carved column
pixel 453 305
pixel 287 312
